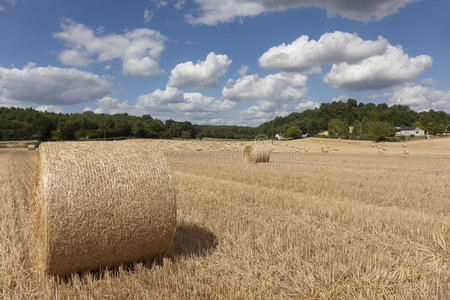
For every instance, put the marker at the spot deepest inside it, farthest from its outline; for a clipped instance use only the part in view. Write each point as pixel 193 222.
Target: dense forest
pixel 29 124
pixel 368 120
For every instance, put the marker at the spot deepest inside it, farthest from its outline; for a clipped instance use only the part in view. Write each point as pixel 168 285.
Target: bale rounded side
pixel 102 204
pixel 256 154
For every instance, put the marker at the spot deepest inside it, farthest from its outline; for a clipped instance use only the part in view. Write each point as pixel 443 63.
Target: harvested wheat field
pixel 350 223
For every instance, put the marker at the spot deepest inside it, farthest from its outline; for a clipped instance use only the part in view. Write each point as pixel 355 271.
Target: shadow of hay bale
pixel 190 241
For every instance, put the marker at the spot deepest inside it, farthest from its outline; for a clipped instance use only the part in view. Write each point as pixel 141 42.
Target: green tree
pixel 379 129
pixel 357 128
pixel 44 126
pixel 293 132
pixel 337 127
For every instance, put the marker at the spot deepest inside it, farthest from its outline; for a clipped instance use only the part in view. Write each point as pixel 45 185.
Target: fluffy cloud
pixel 148 16
pixel 303 54
pixel 202 75
pixel 173 100
pixel 274 95
pixel 389 69
pixel 213 12
pixel 420 97
pixel 138 49
pixel 5 102
pixel 50 108
pixel 51 85
pixel 307 105
pixel 341 98
pixel 243 70
pixel 264 111
pixel 166 103
pixel 279 87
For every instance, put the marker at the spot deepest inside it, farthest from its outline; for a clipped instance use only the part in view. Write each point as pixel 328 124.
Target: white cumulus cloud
pixel 51 85
pixel 303 54
pixel 173 99
pixel 307 105
pixel 167 103
pixel 50 108
pixel 213 12
pixel 147 16
pixel 389 69
pixel 138 49
pixel 202 75
pixel 279 87
pixel 420 98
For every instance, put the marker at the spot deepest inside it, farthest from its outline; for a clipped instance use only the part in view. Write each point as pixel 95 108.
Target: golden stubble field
pixel 356 222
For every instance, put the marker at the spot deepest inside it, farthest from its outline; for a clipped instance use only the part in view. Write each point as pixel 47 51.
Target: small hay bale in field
pixel 256 154
pixel 199 149
pixel 100 204
pixel 31 147
pixel 406 152
pixel 404 145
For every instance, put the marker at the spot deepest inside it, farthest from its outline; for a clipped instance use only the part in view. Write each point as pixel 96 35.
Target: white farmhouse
pixel 280 137
pixel 410 131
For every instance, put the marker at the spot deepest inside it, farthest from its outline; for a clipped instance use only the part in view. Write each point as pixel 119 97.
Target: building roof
pixel 410 128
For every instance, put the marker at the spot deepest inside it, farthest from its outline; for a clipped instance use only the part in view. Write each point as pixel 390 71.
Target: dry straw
pixel 101 204
pixel 257 154
pixel 31 147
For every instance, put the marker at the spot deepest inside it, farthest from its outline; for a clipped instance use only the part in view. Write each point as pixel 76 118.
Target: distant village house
pixel 409 131
pixel 280 137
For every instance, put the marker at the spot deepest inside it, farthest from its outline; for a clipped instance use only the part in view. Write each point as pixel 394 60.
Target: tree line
pixel 368 121
pixel 29 124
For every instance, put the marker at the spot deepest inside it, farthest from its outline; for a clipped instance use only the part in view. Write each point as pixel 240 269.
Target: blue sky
pixel 222 62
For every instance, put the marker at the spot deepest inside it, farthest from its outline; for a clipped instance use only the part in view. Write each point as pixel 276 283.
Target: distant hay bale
pixel 31 147
pixel 406 152
pixel 199 149
pixel 257 154
pixel 100 204
pixel 404 145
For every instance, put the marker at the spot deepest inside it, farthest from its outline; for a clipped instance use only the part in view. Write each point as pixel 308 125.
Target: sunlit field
pixel 361 220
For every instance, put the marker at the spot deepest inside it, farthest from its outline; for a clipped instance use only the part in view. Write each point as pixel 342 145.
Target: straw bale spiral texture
pixel 257 154
pixel 101 204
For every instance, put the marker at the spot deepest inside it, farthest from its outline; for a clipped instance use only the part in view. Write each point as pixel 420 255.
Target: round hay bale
pixel 256 154
pixel 101 204
pixel 31 147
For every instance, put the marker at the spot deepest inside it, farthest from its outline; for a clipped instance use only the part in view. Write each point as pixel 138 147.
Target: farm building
pixel 410 131
pixel 280 137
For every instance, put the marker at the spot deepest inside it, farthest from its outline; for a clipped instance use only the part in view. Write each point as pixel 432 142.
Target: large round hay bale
pixel 101 204
pixel 257 154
